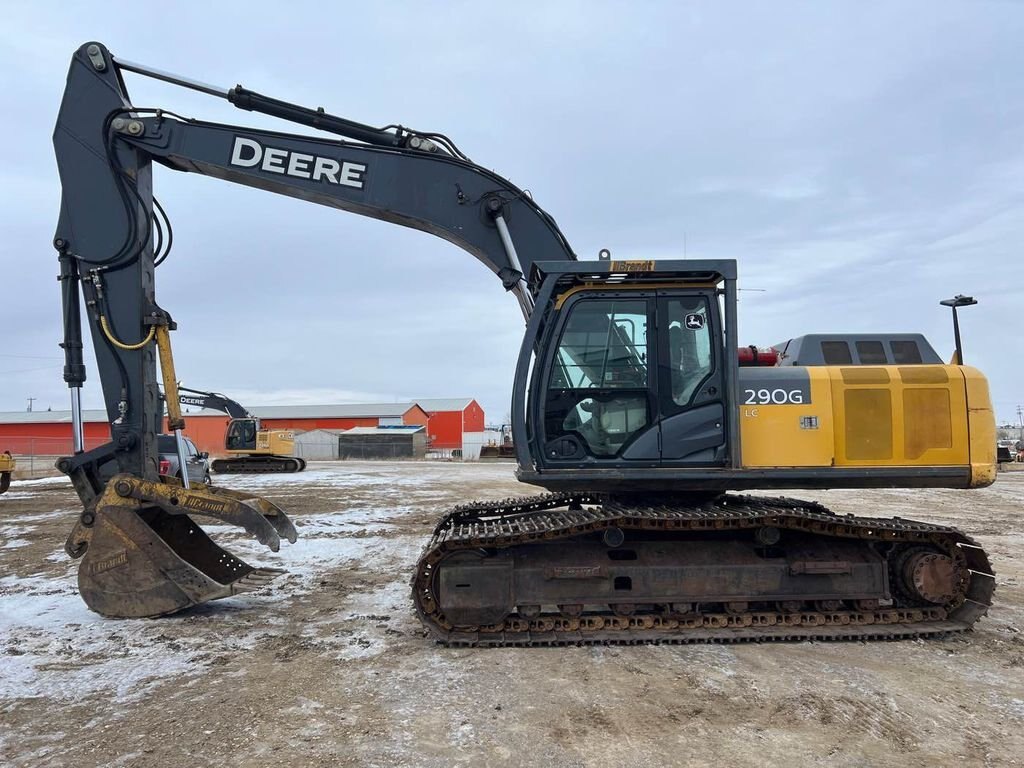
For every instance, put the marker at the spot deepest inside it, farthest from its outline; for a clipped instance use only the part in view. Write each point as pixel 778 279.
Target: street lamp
pixel 958 301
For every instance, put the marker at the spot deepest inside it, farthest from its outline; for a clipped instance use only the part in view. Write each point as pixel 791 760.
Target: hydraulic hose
pixel 120 344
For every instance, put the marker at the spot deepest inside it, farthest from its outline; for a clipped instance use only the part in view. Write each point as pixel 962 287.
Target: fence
pixel 35 456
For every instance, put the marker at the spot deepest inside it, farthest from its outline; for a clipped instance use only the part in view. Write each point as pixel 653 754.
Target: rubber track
pixel 549 517
pixel 256 465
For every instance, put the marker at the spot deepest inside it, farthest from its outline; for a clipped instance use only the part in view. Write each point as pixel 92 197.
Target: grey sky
pixel 861 160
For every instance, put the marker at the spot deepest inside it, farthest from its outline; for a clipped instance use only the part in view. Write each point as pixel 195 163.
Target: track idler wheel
pixel 929 575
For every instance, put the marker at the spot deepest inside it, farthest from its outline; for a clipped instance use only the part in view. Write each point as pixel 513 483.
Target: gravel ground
pixel 330 668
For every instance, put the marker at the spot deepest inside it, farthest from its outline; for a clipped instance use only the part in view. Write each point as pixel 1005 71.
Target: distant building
pixel 446 421
pixel 449 419
pixel 383 443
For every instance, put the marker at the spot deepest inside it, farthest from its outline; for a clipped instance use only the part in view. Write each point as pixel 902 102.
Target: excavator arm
pixel 213 401
pixel 143 555
pixel 110 237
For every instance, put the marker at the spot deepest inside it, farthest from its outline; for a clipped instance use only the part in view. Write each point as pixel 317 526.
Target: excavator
pixel 630 409
pixel 7 465
pixel 250 448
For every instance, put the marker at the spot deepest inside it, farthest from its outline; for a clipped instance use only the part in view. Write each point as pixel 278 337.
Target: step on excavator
pixel 249 446
pixel 7 465
pixel 630 409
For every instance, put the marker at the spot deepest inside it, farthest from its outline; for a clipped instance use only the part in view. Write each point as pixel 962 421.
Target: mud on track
pixel 329 667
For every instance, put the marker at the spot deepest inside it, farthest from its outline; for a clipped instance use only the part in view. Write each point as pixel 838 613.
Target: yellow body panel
pixel 982 426
pixel 771 435
pixel 271 442
pixel 878 416
pixel 6 463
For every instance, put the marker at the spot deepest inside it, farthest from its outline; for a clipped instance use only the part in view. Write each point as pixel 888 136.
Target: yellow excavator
pixel 630 407
pixel 250 447
pixel 7 465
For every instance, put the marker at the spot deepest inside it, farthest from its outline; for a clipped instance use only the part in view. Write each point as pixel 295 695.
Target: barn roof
pixel 48 417
pixel 435 404
pixel 406 429
pixel 340 411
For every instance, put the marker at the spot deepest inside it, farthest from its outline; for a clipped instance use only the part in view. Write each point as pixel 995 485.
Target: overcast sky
pixel 861 160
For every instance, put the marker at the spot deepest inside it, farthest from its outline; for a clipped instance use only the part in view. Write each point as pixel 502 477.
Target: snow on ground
pixel 53 646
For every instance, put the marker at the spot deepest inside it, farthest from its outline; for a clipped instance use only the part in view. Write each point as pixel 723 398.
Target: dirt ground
pixel 329 667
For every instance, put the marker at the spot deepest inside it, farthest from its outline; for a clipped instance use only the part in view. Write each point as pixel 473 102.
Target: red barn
pixel 447 421
pixel 450 419
pixel 49 432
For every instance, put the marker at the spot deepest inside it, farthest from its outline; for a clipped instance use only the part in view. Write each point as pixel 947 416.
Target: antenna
pixel 958 301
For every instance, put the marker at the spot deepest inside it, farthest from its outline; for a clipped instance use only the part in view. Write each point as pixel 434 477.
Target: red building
pixel 447 420
pixel 450 419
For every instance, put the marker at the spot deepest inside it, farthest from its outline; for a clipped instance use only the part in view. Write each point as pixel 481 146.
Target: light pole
pixel 958 301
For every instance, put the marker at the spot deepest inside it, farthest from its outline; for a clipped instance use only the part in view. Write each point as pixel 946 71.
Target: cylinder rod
pixel 179 443
pixel 521 291
pixel 77 431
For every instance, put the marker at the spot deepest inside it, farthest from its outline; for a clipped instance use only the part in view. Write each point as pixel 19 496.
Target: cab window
pixel 603 346
pixel 597 390
pixel 690 358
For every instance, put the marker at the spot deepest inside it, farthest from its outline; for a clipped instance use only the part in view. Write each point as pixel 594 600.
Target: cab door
pixel 691 379
pixel 599 402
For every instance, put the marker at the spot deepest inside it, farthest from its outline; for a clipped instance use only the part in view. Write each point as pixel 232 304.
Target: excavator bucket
pixel 144 556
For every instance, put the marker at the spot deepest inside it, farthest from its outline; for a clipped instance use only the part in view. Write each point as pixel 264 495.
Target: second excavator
pixel 7 465
pixel 629 407
pixel 250 447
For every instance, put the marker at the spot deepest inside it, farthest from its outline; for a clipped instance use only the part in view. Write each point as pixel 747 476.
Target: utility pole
pixel 1020 415
pixel 33 399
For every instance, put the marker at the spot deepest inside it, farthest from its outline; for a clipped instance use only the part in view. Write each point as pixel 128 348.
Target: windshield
pixel 604 346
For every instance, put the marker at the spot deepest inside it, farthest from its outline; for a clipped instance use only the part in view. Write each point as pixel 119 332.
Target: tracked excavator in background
pixel 629 407
pixel 7 465
pixel 250 448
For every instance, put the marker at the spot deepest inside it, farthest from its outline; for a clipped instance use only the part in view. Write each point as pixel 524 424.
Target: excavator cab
pixel 242 435
pixel 630 372
pixel 624 367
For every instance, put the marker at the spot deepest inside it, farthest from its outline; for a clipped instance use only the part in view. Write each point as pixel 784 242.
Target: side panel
pixel 786 417
pixel 900 416
pixel 859 416
pixel 982 426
